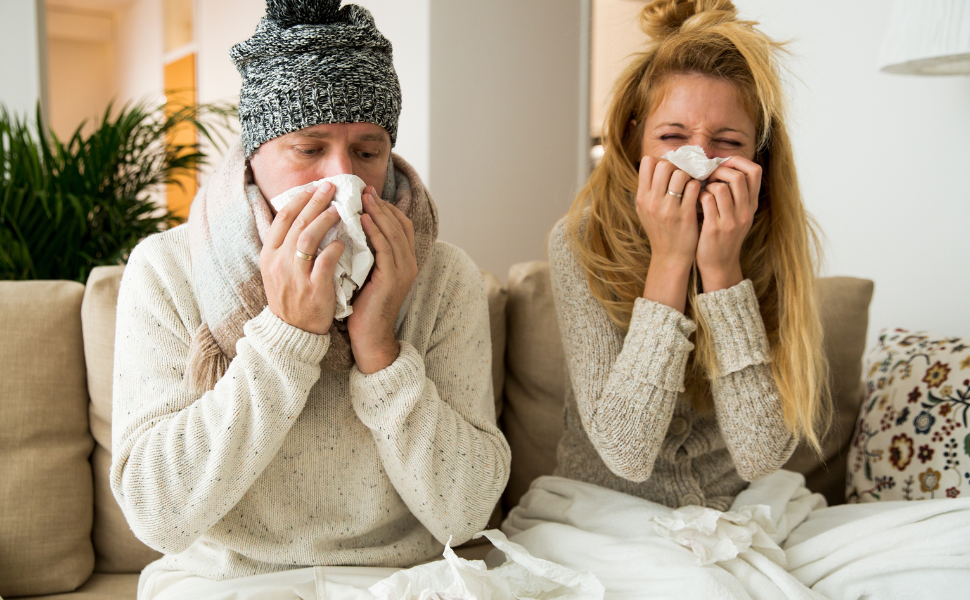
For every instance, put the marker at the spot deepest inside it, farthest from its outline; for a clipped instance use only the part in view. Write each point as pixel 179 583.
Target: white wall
pixel 140 49
pixel 617 35
pixel 23 48
pixel 882 161
pixel 506 123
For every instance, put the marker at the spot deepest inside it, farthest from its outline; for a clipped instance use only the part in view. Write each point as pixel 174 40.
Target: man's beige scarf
pixel 227 224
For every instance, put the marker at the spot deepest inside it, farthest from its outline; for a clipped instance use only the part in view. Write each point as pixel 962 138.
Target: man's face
pixel 324 150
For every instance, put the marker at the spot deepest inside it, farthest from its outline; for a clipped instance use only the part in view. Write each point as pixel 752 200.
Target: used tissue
pixel 357 259
pixel 693 161
pixel 714 536
pixel 523 576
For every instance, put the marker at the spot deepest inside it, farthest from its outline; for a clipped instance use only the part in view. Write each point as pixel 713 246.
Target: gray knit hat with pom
pixel 312 62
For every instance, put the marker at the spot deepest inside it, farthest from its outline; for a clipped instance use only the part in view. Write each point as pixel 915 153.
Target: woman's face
pixel 700 111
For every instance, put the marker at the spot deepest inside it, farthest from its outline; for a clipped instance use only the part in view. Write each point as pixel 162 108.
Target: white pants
pixel 311 583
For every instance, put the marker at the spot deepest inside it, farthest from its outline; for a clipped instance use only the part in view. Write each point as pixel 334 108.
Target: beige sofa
pixel 63 536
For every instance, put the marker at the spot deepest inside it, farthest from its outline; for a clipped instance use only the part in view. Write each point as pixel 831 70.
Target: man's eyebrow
pixel 721 130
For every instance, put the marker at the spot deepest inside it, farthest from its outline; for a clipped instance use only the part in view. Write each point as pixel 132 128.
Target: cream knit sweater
pixel 630 426
pixel 283 465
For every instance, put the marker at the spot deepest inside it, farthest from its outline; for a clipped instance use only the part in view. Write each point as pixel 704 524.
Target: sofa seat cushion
pixel 46 497
pixel 102 586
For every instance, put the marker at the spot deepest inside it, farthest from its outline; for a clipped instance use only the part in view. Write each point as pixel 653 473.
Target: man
pixel 254 434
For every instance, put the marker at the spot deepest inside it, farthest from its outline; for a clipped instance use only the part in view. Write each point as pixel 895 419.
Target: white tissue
pixel 714 536
pixel 523 576
pixel 693 161
pixel 357 259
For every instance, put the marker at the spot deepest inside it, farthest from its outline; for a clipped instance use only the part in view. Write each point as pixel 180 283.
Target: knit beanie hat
pixel 312 62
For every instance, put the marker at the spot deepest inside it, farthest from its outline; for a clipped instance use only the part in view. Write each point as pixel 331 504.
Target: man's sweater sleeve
pixel 182 460
pixel 433 416
pixel 626 388
pixel 746 399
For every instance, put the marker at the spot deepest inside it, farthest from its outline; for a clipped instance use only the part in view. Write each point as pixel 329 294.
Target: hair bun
pixel 661 18
pixel 288 13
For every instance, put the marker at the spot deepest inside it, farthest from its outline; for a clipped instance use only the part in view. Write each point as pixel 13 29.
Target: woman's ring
pixel 675 194
pixel 305 256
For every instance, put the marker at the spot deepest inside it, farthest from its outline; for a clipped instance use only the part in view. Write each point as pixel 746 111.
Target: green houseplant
pixel 69 206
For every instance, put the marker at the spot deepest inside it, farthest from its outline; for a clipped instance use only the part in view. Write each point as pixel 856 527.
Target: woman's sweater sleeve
pixel 746 399
pixel 181 460
pixel 432 416
pixel 625 387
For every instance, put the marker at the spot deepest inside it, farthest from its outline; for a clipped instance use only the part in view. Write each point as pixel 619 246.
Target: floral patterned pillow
pixel 912 440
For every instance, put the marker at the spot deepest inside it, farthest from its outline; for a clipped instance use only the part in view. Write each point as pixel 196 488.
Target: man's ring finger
pixel 305 256
pixel 675 194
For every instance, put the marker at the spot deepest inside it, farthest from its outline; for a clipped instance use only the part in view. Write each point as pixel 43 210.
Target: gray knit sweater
pixel 629 424
pixel 283 465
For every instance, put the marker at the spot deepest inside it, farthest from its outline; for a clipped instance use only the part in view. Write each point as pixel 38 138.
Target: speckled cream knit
pixel 283 465
pixel 630 426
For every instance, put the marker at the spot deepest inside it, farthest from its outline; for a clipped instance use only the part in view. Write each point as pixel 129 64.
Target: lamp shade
pixel 927 37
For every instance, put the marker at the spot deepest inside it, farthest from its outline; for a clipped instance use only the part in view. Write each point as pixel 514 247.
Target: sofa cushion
pixel 102 586
pixel 844 312
pixel 534 378
pixel 912 441
pixel 497 300
pixel 46 494
pixel 534 385
pixel 116 548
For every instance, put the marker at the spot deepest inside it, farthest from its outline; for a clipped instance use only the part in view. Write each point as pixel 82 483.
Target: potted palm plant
pixel 69 206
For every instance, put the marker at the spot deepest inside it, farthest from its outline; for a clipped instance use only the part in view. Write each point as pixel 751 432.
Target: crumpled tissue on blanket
pixel 522 576
pixel 714 536
pixel 693 161
pixel 357 259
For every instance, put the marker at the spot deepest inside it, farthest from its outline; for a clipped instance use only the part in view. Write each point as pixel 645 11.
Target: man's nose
pixel 337 163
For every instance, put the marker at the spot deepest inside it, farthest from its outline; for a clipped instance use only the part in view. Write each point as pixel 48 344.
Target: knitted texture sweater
pixel 284 465
pixel 630 426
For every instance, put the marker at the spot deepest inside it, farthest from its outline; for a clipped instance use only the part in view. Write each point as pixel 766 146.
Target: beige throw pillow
pixel 498 297
pixel 46 498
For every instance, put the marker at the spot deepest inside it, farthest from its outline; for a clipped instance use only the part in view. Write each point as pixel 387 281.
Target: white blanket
pixel 794 548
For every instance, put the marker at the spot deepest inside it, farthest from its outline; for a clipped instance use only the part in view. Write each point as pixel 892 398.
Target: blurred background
pixel 503 103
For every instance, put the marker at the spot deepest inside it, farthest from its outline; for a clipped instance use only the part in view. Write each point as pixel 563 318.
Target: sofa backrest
pixel 116 547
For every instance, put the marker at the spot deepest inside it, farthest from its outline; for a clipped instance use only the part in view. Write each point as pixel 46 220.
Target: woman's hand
pixel 670 223
pixel 729 202
pixel 371 325
pixel 300 291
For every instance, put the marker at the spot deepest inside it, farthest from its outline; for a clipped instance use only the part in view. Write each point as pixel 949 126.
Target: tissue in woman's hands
pixel 693 161
pixel 357 259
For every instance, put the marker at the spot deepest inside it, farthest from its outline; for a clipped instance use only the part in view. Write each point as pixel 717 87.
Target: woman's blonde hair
pixel 705 37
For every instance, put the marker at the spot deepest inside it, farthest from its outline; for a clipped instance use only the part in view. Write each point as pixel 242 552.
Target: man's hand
pixel 371 325
pixel 300 291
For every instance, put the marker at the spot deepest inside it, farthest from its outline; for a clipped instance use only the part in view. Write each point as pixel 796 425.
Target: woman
pixel 647 255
